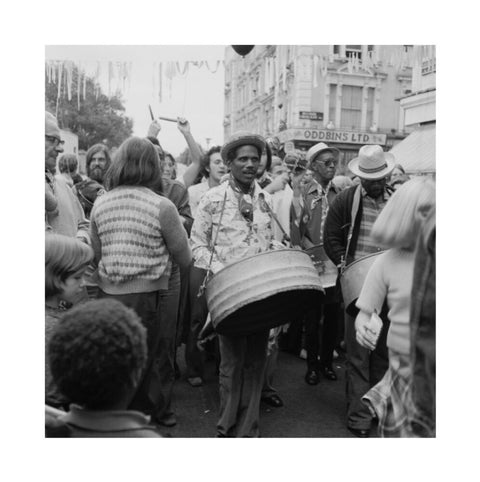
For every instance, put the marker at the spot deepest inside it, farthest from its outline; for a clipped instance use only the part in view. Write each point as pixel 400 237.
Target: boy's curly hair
pixel 97 353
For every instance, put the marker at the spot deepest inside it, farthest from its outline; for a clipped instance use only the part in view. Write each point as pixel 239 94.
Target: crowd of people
pixel 131 246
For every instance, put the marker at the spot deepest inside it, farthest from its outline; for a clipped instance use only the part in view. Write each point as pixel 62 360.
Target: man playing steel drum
pixel 347 240
pixel 233 221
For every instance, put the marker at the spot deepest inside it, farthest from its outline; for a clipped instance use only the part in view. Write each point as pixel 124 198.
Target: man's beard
pixel 96 174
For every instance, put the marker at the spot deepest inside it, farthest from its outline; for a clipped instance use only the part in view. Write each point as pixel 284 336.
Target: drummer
pixel 232 218
pixel 363 203
pixel 310 207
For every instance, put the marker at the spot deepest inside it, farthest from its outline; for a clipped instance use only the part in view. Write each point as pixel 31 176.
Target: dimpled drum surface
pixel 353 278
pixel 263 291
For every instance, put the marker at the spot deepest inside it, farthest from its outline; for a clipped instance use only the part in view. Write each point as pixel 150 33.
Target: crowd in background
pixel 131 243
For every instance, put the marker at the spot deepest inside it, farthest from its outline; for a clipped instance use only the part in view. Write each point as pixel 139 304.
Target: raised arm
pixel 195 153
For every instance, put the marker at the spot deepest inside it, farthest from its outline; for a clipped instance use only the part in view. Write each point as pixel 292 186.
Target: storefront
pixel 347 142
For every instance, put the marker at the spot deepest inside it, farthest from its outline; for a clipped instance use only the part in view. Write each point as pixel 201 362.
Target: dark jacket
pixel 178 194
pixel 307 232
pixel 337 226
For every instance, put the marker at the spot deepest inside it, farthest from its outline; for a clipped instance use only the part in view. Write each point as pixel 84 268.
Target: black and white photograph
pixel 239 241
pixel 241 227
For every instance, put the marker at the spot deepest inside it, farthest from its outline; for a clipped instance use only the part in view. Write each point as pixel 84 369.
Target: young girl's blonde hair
pixel 398 225
pixel 64 256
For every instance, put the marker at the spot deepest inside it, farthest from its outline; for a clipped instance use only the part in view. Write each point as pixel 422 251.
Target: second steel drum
pixel 353 278
pixel 263 291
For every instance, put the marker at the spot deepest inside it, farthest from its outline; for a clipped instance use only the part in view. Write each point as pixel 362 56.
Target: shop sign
pixel 344 137
pixel 317 116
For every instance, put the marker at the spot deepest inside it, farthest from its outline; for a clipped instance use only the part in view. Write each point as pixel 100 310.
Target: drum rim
pixel 244 260
pixel 362 258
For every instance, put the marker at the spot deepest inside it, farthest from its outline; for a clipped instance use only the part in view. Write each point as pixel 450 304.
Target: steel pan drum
pixel 353 278
pixel 263 291
pixel 327 271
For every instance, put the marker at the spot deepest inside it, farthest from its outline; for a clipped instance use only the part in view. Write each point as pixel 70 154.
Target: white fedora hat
pixel 317 149
pixel 372 163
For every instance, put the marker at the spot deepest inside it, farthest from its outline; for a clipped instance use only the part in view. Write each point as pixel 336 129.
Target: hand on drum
pixel 366 334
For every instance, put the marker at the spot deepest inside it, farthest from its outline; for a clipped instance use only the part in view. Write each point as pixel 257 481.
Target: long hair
pixel 93 150
pixel 64 256
pixel 136 163
pixel 397 226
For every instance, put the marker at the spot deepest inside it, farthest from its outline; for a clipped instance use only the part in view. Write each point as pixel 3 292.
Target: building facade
pixel 344 95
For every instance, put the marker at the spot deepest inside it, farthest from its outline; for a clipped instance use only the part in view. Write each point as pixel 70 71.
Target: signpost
pixel 317 116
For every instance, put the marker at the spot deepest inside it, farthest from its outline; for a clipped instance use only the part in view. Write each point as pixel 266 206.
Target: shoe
pixel 312 377
pixel 168 420
pixel 195 381
pixel 360 432
pixel 328 373
pixel 273 401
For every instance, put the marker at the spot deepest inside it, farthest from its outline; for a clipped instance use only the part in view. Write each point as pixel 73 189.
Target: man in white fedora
pixel 346 239
pixel 310 207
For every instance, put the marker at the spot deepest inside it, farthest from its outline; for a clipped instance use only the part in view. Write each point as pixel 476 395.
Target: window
pixel 351 107
pixel 356 50
pixel 351 50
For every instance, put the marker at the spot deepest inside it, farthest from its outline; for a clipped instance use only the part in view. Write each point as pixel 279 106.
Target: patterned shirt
pixel 371 209
pixel 237 237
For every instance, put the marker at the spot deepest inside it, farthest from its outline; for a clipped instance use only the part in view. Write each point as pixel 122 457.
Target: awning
pixel 416 153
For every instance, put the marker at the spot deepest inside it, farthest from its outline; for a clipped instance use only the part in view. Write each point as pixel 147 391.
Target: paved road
pixel 309 411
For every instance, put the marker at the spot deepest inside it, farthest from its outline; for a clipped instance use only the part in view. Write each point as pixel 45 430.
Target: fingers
pixel 364 338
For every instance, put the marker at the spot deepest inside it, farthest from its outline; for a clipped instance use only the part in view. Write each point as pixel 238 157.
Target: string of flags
pixel 114 77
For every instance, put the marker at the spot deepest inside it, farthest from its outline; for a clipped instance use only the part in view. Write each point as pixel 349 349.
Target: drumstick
pixel 169 119
pixel 151 112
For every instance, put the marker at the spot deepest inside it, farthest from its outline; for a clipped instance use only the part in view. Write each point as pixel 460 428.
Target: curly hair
pixel 97 353
pixel 64 256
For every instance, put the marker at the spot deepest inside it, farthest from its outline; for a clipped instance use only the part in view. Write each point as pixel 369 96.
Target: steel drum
pixel 263 291
pixel 327 271
pixel 353 277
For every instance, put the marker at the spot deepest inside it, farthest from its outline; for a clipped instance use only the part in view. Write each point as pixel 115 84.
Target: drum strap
pixel 212 246
pixel 355 206
pixel 286 237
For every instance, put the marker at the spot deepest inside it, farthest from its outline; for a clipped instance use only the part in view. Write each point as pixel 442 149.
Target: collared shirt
pixel 237 237
pixel 311 210
pixel 371 208
pixel 108 423
pixel 195 193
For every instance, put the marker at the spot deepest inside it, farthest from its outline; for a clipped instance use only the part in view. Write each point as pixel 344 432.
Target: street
pixel 308 411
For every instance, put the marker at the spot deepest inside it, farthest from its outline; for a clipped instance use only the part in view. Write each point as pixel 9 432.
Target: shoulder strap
pixel 355 206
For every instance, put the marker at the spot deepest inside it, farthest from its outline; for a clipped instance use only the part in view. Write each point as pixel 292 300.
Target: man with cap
pixel 233 217
pixel 346 239
pixel 63 212
pixel 310 207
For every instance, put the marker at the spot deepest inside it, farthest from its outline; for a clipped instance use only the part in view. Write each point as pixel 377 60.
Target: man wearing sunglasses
pixel 310 207
pixel 233 223
pixel 63 212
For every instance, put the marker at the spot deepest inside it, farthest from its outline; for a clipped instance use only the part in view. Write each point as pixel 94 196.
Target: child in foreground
pixel 97 355
pixel 66 260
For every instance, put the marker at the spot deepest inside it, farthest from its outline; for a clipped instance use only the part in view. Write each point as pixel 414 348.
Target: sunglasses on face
pixel 328 162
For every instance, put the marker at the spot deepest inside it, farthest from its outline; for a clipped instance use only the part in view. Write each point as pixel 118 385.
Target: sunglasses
pixel 328 162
